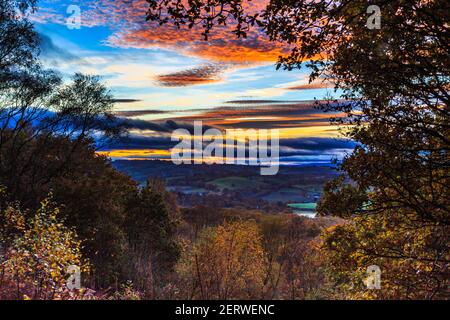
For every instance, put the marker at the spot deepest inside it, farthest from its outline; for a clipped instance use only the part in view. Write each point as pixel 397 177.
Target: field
pixel 293 189
pixel 236 183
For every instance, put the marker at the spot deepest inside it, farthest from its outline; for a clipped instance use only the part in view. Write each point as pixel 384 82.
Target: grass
pixel 236 183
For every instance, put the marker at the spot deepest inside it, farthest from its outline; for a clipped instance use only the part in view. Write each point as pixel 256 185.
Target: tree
pixel 301 260
pixel 95 198
pixel 151 224
pixel 38 113
pixel 226 262
pixel 37 259
pixel 412 257
pixel 18 47
pixel 38 145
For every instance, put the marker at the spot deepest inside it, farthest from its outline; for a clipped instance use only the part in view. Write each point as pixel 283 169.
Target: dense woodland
pixel 62 204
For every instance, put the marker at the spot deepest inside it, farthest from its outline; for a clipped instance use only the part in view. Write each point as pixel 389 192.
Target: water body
pixel 304 209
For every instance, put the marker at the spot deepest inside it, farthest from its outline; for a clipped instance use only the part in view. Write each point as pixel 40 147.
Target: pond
pixel 304 209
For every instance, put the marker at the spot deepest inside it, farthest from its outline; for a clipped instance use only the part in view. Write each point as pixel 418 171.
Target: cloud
pixel 138 124
pixel 125 100
pixel 293 119
pixel 196 76
pixel 163 126
pixel 256 48
pixel 320 83
pixel 138 113
pixel 316 145
pixel 52 53
pixel 292 151
pixel 137 141
pixel 311 86
pixel 247 102
pixel 265 114
pixel 127 19
pixel 45 15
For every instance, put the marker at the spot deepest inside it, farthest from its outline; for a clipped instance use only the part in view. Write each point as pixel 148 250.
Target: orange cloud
pixel 320 83
pixel 135 153
pixel 221 46
pixel 131 30
pixel 311 86
pixel 201 75
pixel 270 115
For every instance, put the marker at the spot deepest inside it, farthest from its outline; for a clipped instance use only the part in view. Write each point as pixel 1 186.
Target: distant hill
pixel 233 185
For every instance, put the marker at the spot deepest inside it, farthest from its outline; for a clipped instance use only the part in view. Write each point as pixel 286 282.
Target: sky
pixel 165 79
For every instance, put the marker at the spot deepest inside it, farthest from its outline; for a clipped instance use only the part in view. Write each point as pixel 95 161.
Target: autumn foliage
pixel 37 253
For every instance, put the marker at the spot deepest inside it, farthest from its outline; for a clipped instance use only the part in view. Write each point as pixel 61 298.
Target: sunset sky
pixel 166 78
